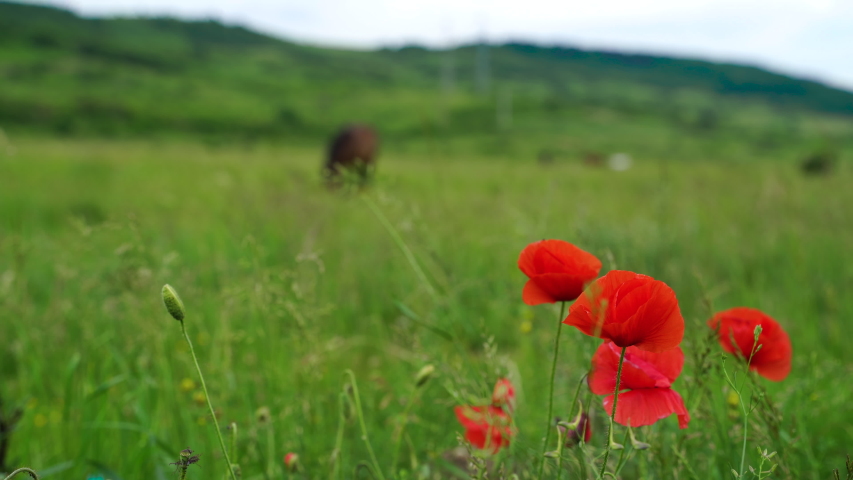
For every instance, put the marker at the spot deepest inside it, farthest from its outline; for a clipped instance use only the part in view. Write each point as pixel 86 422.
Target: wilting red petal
pixel 558 271
pixel 773 360
pixel 472 417
pixel 477 437
pixel 629 309
pixel 646 406
pixel 485 427
pixel 641 369
pixel 503 395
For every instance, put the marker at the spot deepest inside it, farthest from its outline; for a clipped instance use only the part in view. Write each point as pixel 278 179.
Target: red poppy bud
pixel 558 271
pixel 291 462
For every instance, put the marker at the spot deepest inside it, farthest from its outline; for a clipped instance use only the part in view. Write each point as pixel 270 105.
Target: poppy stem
pixel 360 415
pixel 613 414
pixel 402 427
pixel 560 442
pixel 339 439
pixel 551 389
pixel 209 404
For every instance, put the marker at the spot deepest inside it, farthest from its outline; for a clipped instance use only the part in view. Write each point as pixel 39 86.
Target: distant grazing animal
pixel 353 148
pixel 818 164
pixel 593 159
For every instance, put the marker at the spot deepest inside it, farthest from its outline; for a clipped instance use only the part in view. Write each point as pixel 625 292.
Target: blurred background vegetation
pixel 120 77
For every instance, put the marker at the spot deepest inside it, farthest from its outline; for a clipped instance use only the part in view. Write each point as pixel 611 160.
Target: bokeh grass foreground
pixel 287 285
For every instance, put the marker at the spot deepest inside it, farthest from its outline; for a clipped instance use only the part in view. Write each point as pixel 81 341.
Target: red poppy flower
pixel 773 360
pixel 573 436
pixel 630 310
pixel 487 428
pixel 504 395
pixel 647 376
pixel 558 271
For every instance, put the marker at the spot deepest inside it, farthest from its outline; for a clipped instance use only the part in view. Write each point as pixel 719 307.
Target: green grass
pixel 286 285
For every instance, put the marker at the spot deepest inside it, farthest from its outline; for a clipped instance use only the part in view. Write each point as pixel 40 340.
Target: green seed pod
pixel 173 303
pixel 424 375
pixel 638 445
pixel 263 416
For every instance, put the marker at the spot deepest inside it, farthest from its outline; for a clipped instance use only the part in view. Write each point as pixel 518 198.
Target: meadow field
pixel 287 285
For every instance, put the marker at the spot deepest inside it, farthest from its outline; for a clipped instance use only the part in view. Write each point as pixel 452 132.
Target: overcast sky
pixel 810 38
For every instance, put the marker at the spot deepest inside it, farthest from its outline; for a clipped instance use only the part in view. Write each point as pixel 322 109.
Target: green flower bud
pixel 424 375
pixel 263 415
pixel 173 303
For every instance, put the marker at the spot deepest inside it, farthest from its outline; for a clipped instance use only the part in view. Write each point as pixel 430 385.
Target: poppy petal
pixel 535 295
pixel 663 368
pixel 525 259
pixel 775 363
pixel 605 362
pixel 476 436
pixel 561 287
pixel 591 311
pixel 559 256
pixel 639 408
pixel 641 369
pixel 558 268
pixel 736 328
pixel 656 323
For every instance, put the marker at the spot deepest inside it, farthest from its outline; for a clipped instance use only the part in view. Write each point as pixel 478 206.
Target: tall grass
pixel 291 285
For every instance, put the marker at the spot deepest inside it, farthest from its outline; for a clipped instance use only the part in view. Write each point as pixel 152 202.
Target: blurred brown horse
pixel 353 148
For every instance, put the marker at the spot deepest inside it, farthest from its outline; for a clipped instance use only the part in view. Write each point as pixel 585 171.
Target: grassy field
pixel 287 285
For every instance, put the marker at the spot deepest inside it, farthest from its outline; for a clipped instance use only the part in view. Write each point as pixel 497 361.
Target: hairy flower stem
pixel 399 440
pixel 743 450
pixel 233 427
pixel 209 405
pixel 550 418
pixel 339 439
pixel 613 415
pixel 561 442
pixel 270 450
pixel 29 471
pixel 739 390
pixel 362 425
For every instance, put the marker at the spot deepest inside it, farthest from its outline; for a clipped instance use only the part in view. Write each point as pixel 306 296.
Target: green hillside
pixel 69 75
